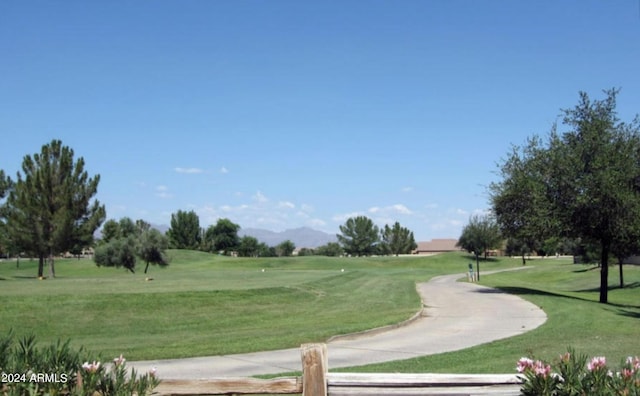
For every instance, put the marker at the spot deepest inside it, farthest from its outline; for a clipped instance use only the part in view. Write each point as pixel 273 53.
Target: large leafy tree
pixel 185 230
pixel 359 236
pixel 51 208
pixel 397 239
pixel 248 246
pixel 589 180
pixel 285 248
pixel 480 235
pixel 223 236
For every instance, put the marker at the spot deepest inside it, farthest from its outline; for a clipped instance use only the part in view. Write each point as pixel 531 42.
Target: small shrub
pixel 57 369
pixel 577 375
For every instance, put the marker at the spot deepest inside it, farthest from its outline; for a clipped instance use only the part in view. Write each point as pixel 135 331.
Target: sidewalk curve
pixel 456 315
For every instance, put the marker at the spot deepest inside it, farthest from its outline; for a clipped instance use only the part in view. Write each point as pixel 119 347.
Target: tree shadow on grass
pixel 625 309
pixel 633 285
pixel 581 270
pixel 628 313
pixel 489 259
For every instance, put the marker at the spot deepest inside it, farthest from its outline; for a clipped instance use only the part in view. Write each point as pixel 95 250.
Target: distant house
pixel 437 246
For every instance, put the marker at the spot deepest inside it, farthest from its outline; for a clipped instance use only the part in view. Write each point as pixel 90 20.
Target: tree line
pixel 360 236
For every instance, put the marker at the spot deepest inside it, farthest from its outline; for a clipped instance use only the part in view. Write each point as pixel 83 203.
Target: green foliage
pixel 57 369
pixel 110 231
pixel 123 241
pixel 397 240
pixel 223 236
pixel 582 184
pixel 50 208
pixel 285 248
pixel 480 235
pixel 359 236
pixel 120 252
pixel 306 252
pixel 151 248
pixel 331 249
pixel 249 247
pixel 576 375
pixel 127 228
pixel 185 230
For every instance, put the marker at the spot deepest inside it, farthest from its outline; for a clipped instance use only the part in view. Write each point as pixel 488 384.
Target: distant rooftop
pixel 437 246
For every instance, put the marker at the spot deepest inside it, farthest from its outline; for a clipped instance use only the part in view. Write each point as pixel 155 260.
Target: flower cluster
pixel 597 363
pixel 91 367
pixel 97 379
pixel 65 374
pixel 576 375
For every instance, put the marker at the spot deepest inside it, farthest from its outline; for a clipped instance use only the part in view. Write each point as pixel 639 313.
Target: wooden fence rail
pixel 317 381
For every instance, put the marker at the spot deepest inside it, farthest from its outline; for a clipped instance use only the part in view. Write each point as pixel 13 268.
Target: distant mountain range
pixel 301 237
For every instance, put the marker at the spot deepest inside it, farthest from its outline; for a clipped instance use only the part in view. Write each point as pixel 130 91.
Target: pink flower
pixel 153 371
pixel 119 360
pixel 91 367
pixel 565 358
pixel 627 374
pixel 541 369
pixel 597 363
pixel 524 364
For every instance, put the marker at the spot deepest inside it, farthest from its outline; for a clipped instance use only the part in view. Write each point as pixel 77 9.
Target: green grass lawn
pixel 206 305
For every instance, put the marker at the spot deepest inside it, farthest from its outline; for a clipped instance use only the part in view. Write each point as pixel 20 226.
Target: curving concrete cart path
pixel 456 315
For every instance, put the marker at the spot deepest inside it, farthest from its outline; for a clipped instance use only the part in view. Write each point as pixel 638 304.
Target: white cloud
pixel 163 192
pixel 260 197
pixel 407 189
pixel 286 205
pixel 189 170
pixel 389 210
pixel 224 170
pixel 401 209
pixel 461 212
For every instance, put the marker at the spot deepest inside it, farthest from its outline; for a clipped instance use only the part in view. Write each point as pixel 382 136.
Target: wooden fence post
pixel 314 369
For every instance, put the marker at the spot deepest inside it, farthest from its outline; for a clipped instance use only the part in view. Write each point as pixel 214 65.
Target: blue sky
pixel 282 114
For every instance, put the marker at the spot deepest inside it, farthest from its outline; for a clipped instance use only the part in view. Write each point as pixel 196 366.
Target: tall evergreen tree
pixel 185 230
pixel 359 236
pixel 397 239
pixel 51 208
